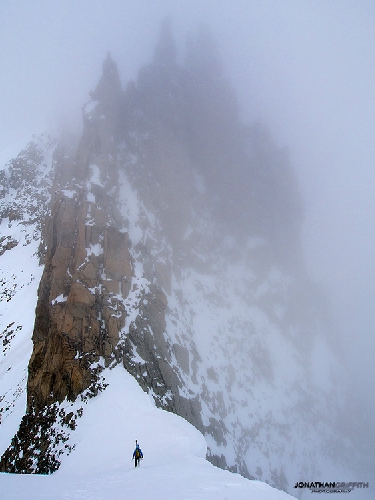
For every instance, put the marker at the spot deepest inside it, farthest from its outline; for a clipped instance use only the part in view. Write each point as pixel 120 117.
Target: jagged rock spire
pixel 165 50
pixel 109 86
pixel 106 102
pixel 202 56
pixel 109 67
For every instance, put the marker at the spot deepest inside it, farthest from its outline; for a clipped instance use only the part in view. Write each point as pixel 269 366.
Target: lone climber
pixel 137 455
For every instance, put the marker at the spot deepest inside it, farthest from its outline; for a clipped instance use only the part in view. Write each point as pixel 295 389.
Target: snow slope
pixel 101 468
pixel 24 195
pixel 18 290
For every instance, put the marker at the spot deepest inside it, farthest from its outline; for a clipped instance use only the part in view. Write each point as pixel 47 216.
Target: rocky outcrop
pixel 82 298
pixel 171 246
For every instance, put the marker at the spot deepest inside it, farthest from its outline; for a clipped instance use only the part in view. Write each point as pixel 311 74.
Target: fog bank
pixel 304 68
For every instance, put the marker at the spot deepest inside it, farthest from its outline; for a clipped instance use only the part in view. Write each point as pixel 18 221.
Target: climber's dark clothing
pixel 137 455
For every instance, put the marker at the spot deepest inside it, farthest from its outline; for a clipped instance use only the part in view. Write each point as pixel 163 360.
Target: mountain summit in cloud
pixel 169 242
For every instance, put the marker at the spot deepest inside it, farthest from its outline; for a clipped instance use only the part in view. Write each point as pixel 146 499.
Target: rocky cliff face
pixel 169 241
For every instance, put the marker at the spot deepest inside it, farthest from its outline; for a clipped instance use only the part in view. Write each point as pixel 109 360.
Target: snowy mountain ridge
pixel 174 465
pixel 157 258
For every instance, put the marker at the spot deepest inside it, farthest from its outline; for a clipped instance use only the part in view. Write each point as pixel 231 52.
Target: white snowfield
pixel 101 466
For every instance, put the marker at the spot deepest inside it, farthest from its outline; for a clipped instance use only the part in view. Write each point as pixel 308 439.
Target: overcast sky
pixel 305 68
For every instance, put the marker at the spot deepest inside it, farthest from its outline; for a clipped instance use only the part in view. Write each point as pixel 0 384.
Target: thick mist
pixel 303 68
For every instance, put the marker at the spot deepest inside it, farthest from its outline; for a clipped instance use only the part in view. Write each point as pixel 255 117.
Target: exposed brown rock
pixel 75 323
pixel 81 311
pixel 88 274
pixel 112 286
pixel 116 254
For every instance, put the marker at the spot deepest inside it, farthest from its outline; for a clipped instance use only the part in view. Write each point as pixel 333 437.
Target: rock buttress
pixel 77 317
